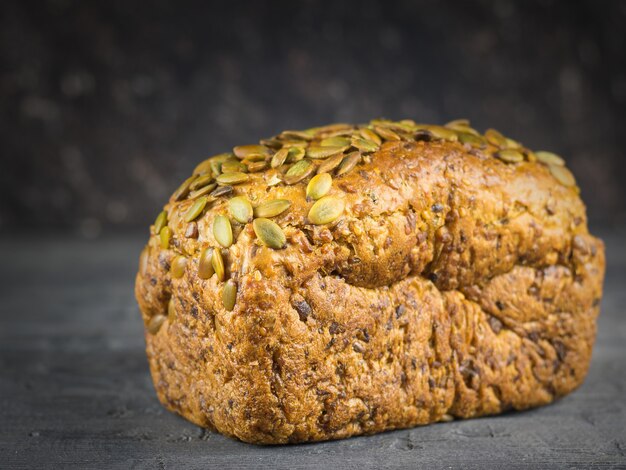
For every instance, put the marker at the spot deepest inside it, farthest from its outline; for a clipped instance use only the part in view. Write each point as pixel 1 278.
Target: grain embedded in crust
pixel 453 284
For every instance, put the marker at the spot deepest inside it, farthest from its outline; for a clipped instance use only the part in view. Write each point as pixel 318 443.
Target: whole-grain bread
pixel 445 274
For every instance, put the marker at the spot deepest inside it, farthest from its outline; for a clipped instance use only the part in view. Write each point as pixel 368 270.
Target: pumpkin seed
pixel 235 177
pixel 202 191
pixel 273 143
pixel 512 144
pixel 307 134
pixel 319 186
pixel 192 230
pixel 326 210
pixel 549 158
pixel 171 310
pixel 471 139
pixel 155 323
pixel 241 209
pixel 510 155
pixel 144 259
pixel 324 152
pixel 160 221
pixel 233 166
pixel 370 135
pixel 242 151
pixel 165 235
pixel 457 122
pixel 200 182
pixel 253 167
pixel 386 134
pixel 331 128
pixel 205 265
pixel 295 143
pixel 272 208
pixel 203 167
pixel 177 268
pixel 229 295
pixel 439 132
pixel 495 138
pixel 348 163
pixel 218 263
pixel 222 231
pixel 269 233
pixel 530 156
pixel 330 164
pixel 279 157
pixel 563 175
pixel 222 191
pixel 296 154
pixel 183 189
pixel 298 171
pixel 196 209
pixel 336 141
pixel 364 145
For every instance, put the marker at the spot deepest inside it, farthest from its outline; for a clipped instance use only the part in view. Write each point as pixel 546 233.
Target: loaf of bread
pixel 352 279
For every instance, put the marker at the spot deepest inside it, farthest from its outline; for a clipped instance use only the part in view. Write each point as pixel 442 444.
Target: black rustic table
pixel 75 391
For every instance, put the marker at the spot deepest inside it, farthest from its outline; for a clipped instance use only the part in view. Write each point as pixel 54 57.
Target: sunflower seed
pixel 563 175
pixel 269 233
pixel 370 135
pixel 242 151
pixel 171 310
pixel 326 210
pixel 330 164
pixel 298 171
pixel 549 158
pixel 241 209
pixel 183 189
pixel 192 230
pixel 155 323
pixel 348 163
pixel 319 186
pixel 202 191
pixel 217 261
pixel 495 138
pixel 253 167
pixel 164 236
pixel 177 268
pixel 336 141
pixel 272 208
pixel 233 166
pixel 279 157
pixel 222 231
pixel 160 222
pixel 364 145
pixel 231 178
pixel 222 191
pixel 196 209
pixel 205 265
pixel 229 294
pixel 510 155
pixel 386 134
pixel 200 182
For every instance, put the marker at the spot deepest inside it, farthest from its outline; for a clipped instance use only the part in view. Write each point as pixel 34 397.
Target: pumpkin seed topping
pixel 563 175
pixel 319 186
pixel 495 138
pixel 510 155
pixel 324 151
pixel 240 209
pixel 164 236
pixel 298 171
pixel 549 158
pixel 348 163
pixel 183 189
pixel 196 209
pixel 222 231
pixel 326 210
pixel 242 151
pixel 235 177
pixel 279 157
pixel 229 294
pixel 330 164
pixel 272 208
pixel 218 264
pixel 205 264
pixel 269 233
pixel 177 268
pixel 160 222
pixel 155 323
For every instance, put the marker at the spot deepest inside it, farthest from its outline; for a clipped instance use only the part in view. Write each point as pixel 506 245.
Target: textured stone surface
pixel 75 390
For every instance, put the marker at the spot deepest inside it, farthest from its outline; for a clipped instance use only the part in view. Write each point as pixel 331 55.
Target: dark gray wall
pixel 107 105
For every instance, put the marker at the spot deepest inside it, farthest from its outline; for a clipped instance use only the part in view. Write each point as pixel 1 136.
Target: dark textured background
pixel 107 105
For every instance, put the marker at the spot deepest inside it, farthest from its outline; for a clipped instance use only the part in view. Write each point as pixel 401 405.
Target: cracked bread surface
pixel 454 285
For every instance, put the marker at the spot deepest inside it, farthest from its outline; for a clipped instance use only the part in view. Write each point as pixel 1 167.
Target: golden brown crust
pixel 453 285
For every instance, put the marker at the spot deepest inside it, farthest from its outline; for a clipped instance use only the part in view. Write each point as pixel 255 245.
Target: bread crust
pixel 454 285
